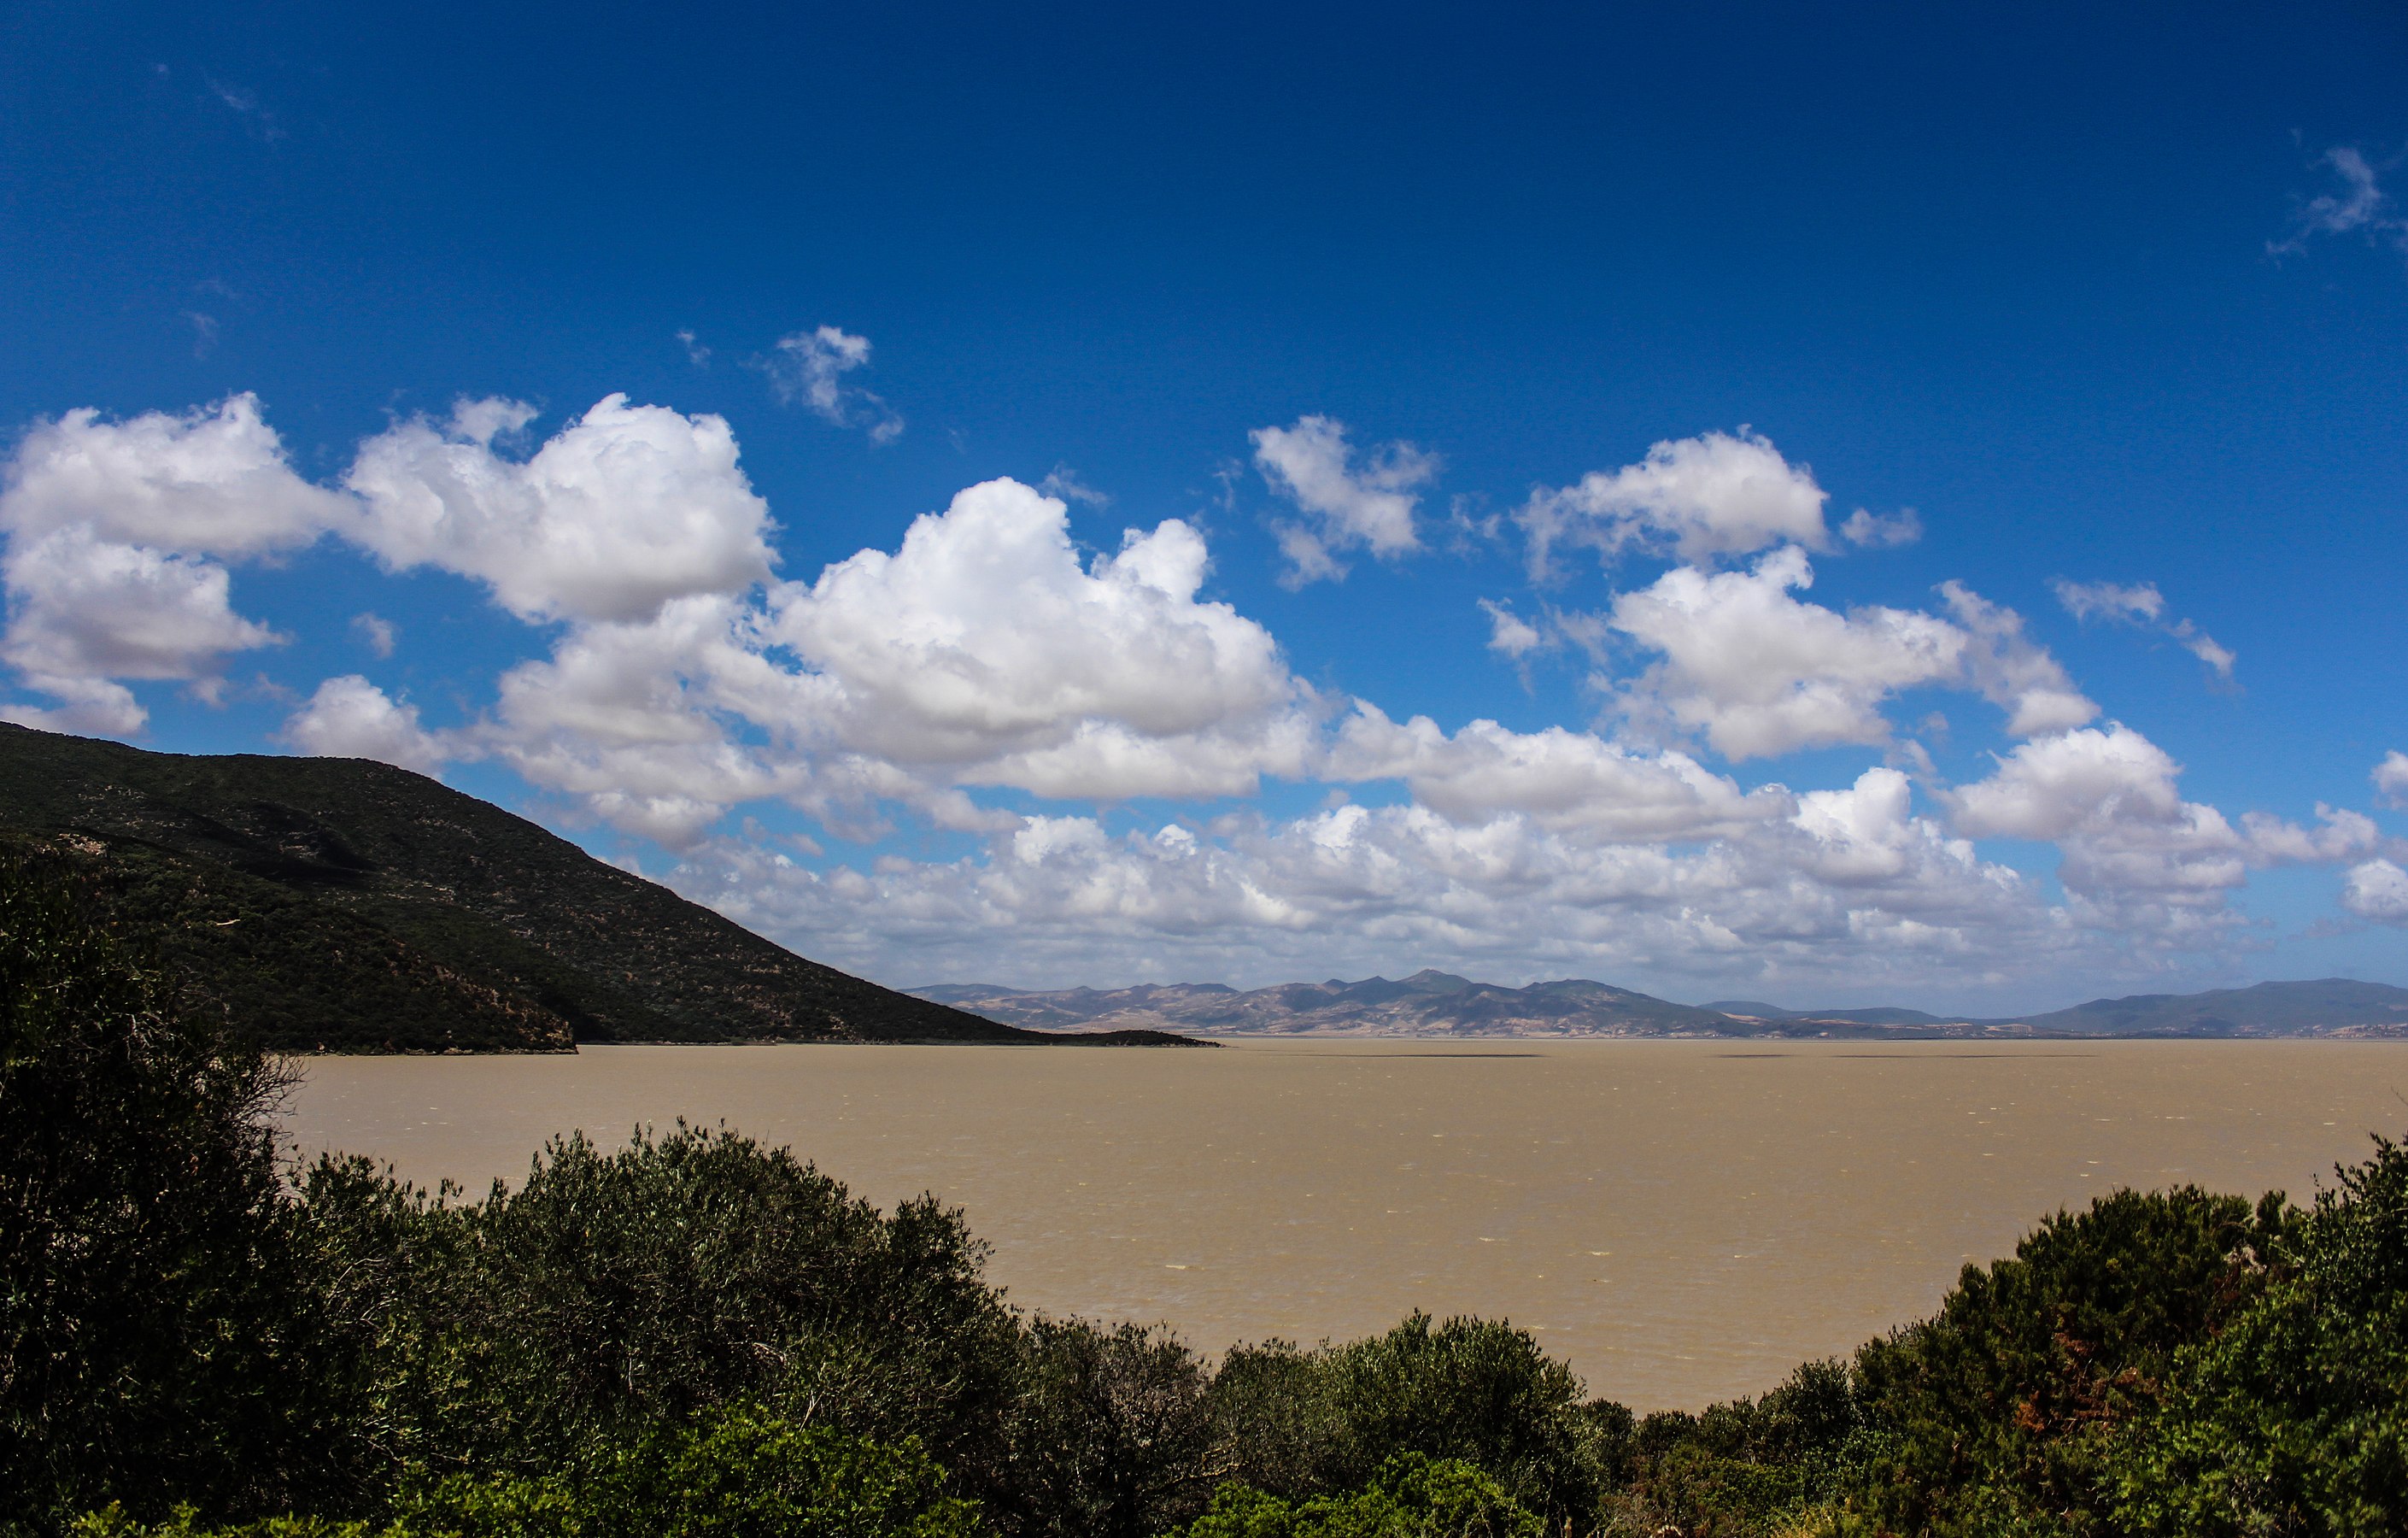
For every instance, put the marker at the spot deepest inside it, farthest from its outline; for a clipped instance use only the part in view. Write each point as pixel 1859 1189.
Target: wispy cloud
pixel 376 632
pixel 245 105
pixel 2359 206
pixel 1872 531
pixel 2141 605
pixel 696 353
pixel 807 369
pixel 1063 481
pixel 1510 634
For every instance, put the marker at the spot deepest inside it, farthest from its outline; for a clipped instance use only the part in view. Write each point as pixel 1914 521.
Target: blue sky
pixel 1346 313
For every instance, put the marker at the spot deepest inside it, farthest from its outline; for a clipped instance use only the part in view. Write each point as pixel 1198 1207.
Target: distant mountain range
pixel 338 904
pixel 1441 1004
pixel 343 905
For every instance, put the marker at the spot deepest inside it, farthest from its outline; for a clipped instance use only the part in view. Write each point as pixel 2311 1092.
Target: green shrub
pixel 2002 1411
pixel 157 1335
pixel 1409 1496
pixel 738 1474
pixel 1110 1434
pixel 1756 1466
pixel 610 1293
pixel 1300 1423
pixel 2295 1419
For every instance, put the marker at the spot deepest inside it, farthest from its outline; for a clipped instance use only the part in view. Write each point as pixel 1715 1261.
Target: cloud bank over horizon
pixel 1133 779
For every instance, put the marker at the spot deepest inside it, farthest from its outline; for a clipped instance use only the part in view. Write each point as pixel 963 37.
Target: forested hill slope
pixel 344 905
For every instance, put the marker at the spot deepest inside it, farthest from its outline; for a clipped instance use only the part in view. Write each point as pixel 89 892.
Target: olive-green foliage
pixel 2001 1411
pixel 1300 1423
pixel 735 1474
pixel 1409 1496
pixel 2295 1419
pixel 1110 1432
pixel 612 1292
pixel 1755 1466
pixel 154 1326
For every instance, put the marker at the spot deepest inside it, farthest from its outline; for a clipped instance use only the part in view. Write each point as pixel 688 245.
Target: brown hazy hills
pixel 337 904
pixel 1440 1004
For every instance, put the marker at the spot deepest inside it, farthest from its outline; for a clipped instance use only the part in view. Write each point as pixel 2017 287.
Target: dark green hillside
pixel 342 905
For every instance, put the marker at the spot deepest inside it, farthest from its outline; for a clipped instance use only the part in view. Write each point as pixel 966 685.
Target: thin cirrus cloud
pixel 986 655
pixel 2360 206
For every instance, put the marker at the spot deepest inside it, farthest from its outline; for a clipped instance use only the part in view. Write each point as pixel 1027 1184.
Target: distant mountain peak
pixel 1433 1003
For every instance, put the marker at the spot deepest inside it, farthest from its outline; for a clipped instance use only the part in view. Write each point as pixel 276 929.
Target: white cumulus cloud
pixel 1568 782
pixel 2390 778
pixel 623 510
pixel 1852 884
pixel 348 717
pixel 1702 497
pixel 2376 890
pixel 984 644
pixel 2012 670
pixel 214 480
pixel 110 530
pixel 84 612
pixel 378 634
pixel 982 652
pixel 1344 506
pixel 1759 673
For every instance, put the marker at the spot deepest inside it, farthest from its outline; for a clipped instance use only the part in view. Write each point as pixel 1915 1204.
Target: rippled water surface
pixel 1682 1220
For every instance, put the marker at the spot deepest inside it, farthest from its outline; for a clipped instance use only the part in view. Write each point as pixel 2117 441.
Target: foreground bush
pixel 1776 1464
pixel 2005 1410
pixel 735 1474
pixel 614 1292
pixel 1304 1423
pixel 156 1329
pixel 1409 1496
pixel 2295 1419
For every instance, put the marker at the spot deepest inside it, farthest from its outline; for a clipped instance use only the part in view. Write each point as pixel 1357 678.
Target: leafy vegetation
pixel 698 1335
pixel 1409 1496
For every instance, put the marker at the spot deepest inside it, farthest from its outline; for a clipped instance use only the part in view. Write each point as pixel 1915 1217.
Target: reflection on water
pixel 1681 1220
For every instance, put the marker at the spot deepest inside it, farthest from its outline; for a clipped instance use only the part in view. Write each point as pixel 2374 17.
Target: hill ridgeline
pixel 338 904
pixel 1441 1004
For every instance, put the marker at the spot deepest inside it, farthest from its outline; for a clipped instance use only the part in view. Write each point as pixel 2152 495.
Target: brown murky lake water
pixel 1683 1221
